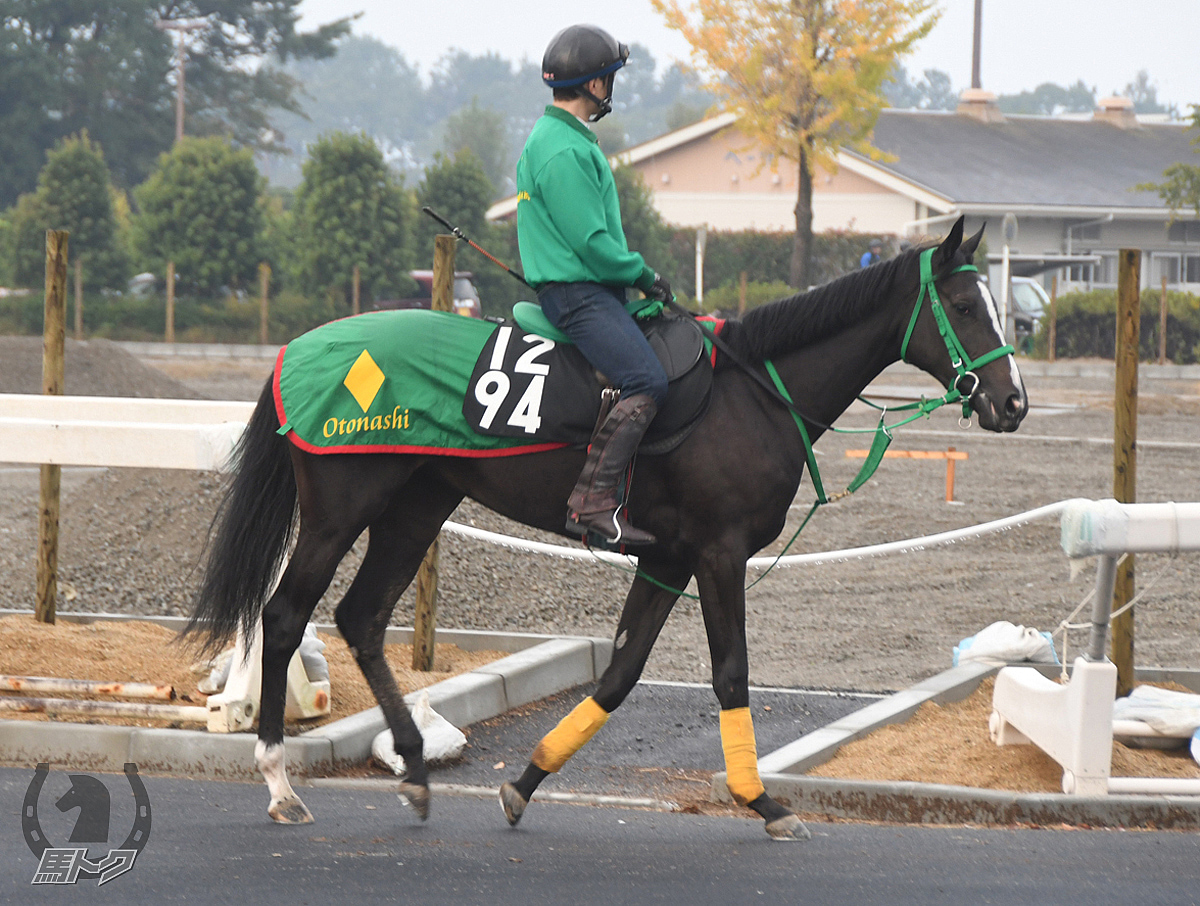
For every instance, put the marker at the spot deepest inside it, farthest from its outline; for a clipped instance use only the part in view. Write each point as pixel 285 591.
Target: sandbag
pixel 1003 643
pixel 443 741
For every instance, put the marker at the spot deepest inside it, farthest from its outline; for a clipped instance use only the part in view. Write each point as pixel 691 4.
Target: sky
pixel 1025 42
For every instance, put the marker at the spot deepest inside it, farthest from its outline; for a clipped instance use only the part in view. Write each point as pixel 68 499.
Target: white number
pixel 526 364
pixel 526 414
pixel 500 348
pixel 490 392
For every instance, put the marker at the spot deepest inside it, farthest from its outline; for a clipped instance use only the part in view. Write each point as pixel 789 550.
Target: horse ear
pixel 970 245
pixel 949 245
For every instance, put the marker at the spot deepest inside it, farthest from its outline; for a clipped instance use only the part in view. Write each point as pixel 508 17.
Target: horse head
pixel 964 346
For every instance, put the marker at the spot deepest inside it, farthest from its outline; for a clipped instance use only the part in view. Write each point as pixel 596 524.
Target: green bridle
pixel 963 364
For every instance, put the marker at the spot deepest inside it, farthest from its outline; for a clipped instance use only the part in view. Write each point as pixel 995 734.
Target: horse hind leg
pixel 646 609
pixel 399 539
pixel 284 617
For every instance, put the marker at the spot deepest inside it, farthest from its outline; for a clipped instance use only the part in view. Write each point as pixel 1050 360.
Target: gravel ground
pixel 131 539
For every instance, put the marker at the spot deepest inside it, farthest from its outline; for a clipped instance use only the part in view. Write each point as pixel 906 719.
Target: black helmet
pixel 580 53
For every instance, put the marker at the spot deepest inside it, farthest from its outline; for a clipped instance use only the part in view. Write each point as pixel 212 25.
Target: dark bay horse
pixel 712 502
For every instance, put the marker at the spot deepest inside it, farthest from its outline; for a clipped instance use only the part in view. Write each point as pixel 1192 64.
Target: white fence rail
pixel 104 431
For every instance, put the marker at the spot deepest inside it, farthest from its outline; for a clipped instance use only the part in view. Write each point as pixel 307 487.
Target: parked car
pixel 1029 304
pixel 465 302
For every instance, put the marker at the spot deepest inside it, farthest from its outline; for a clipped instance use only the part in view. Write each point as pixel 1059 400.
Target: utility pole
pixel 184 27
pixel 976 82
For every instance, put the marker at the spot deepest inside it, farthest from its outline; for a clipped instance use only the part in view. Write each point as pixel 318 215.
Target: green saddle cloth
pixel 387 382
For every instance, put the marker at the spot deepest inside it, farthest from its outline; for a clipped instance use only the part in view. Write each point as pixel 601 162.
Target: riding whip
pixel 460 235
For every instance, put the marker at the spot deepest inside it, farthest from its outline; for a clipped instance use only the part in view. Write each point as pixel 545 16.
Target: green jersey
pixel 568 217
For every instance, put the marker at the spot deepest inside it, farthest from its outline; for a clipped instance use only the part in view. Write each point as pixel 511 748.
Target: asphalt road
pixel 213 843
pixel 664 741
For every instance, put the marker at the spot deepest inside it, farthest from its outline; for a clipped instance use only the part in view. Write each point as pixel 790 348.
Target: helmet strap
pixel 604 104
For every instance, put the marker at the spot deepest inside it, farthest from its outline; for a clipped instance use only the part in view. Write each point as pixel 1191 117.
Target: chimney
pixel 980 105
pixel 1116 111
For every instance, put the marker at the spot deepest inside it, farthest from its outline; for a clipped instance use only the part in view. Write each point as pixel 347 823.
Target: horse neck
pixel 826 377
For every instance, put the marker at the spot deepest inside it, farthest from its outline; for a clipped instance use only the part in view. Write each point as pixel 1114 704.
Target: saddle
pixel 529 371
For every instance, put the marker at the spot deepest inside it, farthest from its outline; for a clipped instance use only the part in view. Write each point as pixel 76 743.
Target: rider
pixel 575 255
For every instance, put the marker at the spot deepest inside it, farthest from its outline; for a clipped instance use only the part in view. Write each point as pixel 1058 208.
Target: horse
pixel 712 502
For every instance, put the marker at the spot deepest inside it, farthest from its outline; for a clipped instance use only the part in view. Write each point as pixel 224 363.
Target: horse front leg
pixel 723 603
pixel 646 609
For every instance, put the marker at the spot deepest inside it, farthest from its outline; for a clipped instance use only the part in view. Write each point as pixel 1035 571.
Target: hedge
pixel 1087 326
pixel 765 257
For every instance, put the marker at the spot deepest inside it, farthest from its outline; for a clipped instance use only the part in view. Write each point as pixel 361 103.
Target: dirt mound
pixel 93 368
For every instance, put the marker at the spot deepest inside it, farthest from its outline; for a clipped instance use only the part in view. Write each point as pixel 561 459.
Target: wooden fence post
pixel 1125 449
pixel 170 332
pixel 264 310
pixel 355 285
pixel 1162 323
pixel 53 339
pixel 425 611
pixel 78 298
pixel 1053 340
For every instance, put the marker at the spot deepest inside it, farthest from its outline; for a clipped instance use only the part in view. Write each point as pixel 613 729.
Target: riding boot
pixel 593 505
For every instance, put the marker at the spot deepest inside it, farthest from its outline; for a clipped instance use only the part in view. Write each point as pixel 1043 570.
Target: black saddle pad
pixel 528 386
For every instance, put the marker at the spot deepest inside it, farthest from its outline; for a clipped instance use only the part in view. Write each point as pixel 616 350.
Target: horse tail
pixel 250 533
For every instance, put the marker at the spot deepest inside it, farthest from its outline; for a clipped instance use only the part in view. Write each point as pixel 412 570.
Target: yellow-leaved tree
pixel 803 76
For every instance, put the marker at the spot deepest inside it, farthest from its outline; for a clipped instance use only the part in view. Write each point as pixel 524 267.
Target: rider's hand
pixel 660 290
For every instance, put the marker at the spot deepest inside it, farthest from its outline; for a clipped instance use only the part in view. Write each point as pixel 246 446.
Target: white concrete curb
pixel 539 666
pixel 782 773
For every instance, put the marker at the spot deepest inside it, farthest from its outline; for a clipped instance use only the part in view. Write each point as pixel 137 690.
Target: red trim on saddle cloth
pixel 392 448
pixel 718 325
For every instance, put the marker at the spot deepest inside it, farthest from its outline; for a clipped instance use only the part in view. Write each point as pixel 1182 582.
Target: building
pixel 1068 181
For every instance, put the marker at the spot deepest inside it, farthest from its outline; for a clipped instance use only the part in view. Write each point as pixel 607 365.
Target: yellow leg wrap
pixel 741 756
pixel 569 736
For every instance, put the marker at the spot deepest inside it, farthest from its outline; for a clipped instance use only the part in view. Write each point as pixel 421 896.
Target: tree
pixel 484 133
pixel 1049 99
pixel 934 92
pixel 644 228
pixel 458 189
pixel 351 209
pixel 366 87
pixel 805 78
pixel 1144 95
pixel 74 193
pixel 202 209
pixel 103 66
pixel 1181 188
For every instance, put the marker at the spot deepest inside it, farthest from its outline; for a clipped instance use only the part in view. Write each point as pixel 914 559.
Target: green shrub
pixel 727 298
pixel 765 257
pixel 1087 326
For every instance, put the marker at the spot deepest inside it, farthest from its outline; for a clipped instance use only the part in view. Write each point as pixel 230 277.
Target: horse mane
pixel 803 319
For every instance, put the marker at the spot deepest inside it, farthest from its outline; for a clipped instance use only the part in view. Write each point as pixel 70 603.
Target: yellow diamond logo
pixel 364 380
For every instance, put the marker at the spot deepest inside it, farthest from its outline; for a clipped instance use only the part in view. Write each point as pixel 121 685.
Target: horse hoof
pixel 290 811
pixel 788 829
pixel 512 802
pixel 416 796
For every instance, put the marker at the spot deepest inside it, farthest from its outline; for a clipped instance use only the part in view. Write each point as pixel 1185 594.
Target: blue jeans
pixel 594 317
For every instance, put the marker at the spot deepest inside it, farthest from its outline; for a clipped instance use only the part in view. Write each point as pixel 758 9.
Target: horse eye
pixel 962 307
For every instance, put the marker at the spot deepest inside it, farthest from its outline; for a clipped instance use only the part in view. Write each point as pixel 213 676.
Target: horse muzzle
pixel 1000 412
